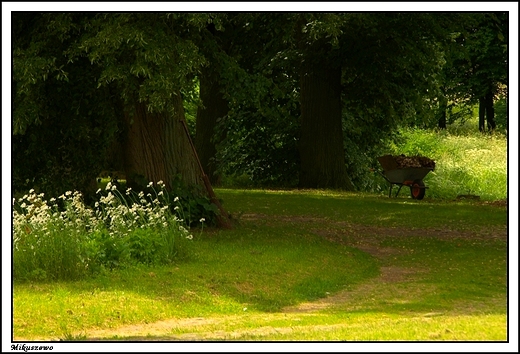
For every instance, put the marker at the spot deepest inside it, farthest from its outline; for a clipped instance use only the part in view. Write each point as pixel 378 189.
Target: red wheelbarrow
pixel 404 176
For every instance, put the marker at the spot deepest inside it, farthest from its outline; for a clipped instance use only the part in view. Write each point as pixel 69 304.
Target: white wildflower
pixel 202 220
pixel 176 199
pixel 189 237
pixel 150 184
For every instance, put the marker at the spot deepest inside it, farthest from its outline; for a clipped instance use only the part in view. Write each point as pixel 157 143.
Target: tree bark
pixel 486 112
pixel 482 114
pixel 490 111
pixel 215 108
pixel 158 149
pixel 321 142
pixel 443 106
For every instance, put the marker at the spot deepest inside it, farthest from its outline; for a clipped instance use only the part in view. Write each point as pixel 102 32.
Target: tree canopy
pixel 291 99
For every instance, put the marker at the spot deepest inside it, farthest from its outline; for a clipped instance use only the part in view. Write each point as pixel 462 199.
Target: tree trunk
pixel 321 142
pixel 443 106
pixel 490 111
pixel 486 112
pixel 158 149
pixel 482 114
pixel 215 108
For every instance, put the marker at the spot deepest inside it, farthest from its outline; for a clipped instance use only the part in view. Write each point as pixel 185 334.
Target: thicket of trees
pixel 294 99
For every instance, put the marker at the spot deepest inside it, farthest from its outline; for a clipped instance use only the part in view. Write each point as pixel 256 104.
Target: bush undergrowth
pixel 62 239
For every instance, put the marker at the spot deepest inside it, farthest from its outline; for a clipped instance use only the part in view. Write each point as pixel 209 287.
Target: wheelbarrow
pixel 407 176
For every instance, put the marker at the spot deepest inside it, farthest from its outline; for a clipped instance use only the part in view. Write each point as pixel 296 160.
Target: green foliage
pixel 188 203
pixel 62 124
pixel 476 59
pixel 261 129
pixel 501 116
pixel 191 205
pixel 63 239
pixel 191 101
pixel 74 77
pixel 75 74
pixel 135 52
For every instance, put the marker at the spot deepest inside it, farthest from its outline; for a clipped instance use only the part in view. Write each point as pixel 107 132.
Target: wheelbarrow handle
pixel 381 173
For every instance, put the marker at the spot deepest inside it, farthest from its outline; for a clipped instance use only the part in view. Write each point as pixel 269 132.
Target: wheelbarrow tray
pixel 402 175
pixel 395 174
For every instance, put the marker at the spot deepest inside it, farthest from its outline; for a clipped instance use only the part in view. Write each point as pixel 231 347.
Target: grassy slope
pixel 241 281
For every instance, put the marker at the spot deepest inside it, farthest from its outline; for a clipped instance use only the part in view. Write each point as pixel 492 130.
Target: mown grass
pixel 240 282
pixel 363 208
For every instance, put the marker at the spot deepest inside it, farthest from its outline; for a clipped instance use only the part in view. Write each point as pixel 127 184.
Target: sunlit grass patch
pixel 473 163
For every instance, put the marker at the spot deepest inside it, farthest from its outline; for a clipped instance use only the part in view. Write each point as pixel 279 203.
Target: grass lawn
pixel 300 266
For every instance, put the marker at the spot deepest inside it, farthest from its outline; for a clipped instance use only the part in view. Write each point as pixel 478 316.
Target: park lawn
pixel 299 265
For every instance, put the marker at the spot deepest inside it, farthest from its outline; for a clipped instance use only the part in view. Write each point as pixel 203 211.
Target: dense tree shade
pixel 477 63
pixel 291 99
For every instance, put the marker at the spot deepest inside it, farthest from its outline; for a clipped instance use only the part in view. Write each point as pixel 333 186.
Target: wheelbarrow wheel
pixel 417 189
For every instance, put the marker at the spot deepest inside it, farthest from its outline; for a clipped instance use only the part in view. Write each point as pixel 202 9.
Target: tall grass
pixel 64 239
pixel 466 162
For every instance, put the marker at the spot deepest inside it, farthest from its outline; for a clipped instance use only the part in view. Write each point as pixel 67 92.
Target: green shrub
pixel 63 239
pixel 190 204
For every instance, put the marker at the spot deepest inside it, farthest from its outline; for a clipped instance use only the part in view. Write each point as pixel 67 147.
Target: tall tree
pixel 145 59
pixel 257 81
pixel 321 140
pixel 476 67
pixel 361 72
pixel 134 63
pixel 387 63
pixel 62 123
pixel 214 107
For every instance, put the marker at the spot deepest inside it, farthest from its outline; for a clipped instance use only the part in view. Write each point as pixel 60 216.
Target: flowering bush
pixel 64 239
